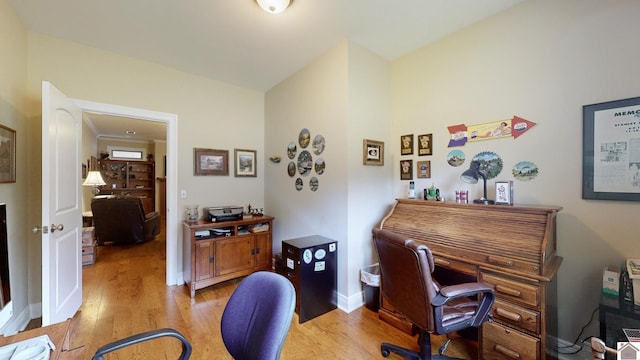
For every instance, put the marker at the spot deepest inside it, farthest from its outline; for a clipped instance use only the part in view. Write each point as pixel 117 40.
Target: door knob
pixel 55 227
pixel 37 229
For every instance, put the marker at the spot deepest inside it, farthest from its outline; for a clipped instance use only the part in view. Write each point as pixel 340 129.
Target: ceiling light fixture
pixel 274 6
pixel 130 132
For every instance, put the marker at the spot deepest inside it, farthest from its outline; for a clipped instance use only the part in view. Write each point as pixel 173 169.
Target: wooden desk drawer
pixel 513 290
pixel 500 342
pixel 455 265
pixel 517 316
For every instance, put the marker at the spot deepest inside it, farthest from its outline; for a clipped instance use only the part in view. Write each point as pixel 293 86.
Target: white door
pixel 61 206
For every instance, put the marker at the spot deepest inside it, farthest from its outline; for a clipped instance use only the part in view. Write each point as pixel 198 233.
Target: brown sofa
pixel 123 221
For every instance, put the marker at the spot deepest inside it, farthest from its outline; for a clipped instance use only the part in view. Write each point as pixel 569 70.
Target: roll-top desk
pixel 510 248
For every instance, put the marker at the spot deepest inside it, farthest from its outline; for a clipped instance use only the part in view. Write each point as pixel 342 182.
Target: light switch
pixel 183 194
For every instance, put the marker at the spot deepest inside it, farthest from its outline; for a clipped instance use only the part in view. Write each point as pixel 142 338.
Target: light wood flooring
pixel 125 293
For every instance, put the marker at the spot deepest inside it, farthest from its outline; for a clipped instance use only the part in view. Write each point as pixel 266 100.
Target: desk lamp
pixel 94 179
pixel 471 176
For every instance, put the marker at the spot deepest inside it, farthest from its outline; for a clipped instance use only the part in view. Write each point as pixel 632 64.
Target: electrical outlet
pixel 183 194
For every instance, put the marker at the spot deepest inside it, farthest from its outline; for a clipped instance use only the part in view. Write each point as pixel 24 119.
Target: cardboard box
pixel 611 281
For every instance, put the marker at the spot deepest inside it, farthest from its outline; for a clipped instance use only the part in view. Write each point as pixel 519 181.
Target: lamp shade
pixel 94 179
pixel 472 174
pixel 274 6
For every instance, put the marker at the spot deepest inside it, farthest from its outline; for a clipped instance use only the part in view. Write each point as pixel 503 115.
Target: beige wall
pixel 541 60
pixel 343 96
pixel 13 110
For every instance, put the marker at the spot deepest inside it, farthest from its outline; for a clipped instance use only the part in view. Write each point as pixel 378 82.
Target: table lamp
pixel 94 179
pixel 471 176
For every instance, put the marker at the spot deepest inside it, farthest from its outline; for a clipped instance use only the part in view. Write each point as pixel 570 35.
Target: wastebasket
pixel 370 277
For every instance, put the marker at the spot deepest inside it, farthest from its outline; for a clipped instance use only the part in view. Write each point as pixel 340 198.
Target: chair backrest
pixel 405 272
pixel 119 220
pixel 256 320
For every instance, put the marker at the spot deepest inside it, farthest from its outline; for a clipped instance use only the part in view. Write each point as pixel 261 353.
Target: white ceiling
pixel 236 42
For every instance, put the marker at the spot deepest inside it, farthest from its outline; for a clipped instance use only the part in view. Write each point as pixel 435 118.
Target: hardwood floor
pixel 125 293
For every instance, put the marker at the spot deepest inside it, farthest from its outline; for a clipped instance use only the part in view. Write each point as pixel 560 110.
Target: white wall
pixel 13 103
pixel 541 60
pixel 211 114
pixel 342 95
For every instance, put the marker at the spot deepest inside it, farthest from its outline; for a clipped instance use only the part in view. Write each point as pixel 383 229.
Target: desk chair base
pixel 424 341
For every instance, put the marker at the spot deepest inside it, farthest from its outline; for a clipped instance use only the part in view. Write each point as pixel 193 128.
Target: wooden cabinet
pixel 216 252
pixel 132 178
pixel 510 248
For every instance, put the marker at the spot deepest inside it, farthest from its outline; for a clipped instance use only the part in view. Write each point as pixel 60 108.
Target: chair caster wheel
pixel 385 353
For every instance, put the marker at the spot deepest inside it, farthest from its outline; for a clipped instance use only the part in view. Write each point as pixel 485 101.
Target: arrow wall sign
pixel 461 134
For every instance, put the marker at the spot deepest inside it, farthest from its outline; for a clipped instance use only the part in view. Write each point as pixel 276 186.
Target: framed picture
pixel 372 152
pixel 406 144
pixel 406 169
pixel 424 144
pixel 504 192
pixel 211 162
pixel 245 163
pixel 84 171
pixel 7 155
pixel 611 140
pixel 424 169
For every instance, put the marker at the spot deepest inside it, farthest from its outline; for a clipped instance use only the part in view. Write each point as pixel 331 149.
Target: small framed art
pixel 406 144
pixel 211 162
pixel 7 155
pixel 245 163
pixel 424 144
pixel 372 152
pixel 504 192
pixel 406 169
pixel 424 169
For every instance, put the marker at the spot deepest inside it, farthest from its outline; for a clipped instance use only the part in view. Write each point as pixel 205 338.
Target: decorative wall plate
pixel 455 158
pixel 319 166
pixel 490 162
pixel 291 168
pixel 318 144
pixel 525 171
pixel 299 184
pixel 305 163
pixel 304 138
pixel 292 149
pixel 313 183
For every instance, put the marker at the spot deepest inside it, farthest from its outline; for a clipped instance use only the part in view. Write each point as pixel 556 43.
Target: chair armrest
pixel 451 292
pixel 151 215
pixel 145 336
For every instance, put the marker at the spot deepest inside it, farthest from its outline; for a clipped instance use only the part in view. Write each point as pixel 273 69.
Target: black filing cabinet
pixel 311 263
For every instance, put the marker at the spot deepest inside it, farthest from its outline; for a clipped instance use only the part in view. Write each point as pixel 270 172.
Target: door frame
pixel 172 274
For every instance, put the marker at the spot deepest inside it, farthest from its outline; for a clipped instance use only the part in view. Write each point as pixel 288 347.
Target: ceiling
pixel 236 42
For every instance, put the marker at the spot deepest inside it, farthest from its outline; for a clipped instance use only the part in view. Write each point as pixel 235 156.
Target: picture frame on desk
pixel 504 193
pixel 610 133
pixel 211 162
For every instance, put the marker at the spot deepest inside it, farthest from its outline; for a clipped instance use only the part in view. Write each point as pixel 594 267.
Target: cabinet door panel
pixel 234 254
pixel 205 252
pixel 263 250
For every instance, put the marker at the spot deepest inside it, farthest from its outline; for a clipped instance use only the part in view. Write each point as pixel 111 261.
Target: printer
pixel 223 213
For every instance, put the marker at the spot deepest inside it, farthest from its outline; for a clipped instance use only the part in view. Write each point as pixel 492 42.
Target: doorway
pixel 172 276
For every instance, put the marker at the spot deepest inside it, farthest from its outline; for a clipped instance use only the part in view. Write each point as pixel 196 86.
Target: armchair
pixel 405 271
pixel 123 221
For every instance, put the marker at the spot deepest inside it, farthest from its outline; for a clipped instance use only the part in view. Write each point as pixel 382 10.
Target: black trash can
pixel 370 277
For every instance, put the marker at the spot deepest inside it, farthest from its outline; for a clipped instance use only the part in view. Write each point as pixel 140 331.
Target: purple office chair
pixel 145 336
pixel 256 320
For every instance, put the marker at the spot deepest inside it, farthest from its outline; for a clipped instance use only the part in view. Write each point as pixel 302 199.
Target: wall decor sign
pixel 611 150
pixel 372 152
pixel 406 169
pixel 456 158
pixel 245 164
pixel 514 127
pixel 7 155
pixel 425 144
pixel 525 171
pixel 406 144
pixel 211 162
